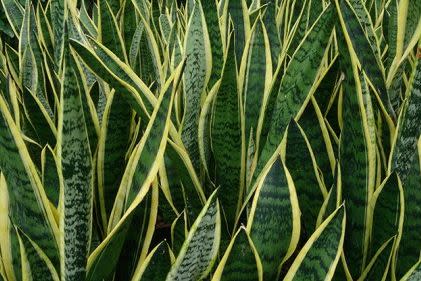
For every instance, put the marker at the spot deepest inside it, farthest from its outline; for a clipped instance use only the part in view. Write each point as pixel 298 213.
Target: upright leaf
pixel 58 9
pixel 99 265
pixel 196 77
pixel 156 265
pixel 9 244
pixel 274 220
pixel 269 20
pixel 240 261
pixel 76 168
pixel 108 31
pixel 323 246
pixel 387 214
pixel 50 175
pixel 352 29
pixel 238 13
pixel 299 159
pixel 199 250
pixel 226 139
pixel 357 168
pixel 296 84
pixel 27 198
pixel 379 266
pixel 405 160
pixel 212 22
pixel 112 148
pixel 257 77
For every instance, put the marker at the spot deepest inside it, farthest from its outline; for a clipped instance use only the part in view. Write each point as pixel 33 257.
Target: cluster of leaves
pixel 210 140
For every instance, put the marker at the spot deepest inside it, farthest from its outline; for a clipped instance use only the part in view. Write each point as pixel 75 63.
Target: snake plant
pixel 210 140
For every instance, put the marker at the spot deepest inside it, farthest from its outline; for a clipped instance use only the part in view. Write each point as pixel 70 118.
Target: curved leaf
pixel 27 198
pixel 39 264
pixel 299 159
pixel 240 261
pixel 156 264
pixel 324 246
pixel 274 220
pixel 120 220
pixel 405 160
pixel 199 250
pixel 296 84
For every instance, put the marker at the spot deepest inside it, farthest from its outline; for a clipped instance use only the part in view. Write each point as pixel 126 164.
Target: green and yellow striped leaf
pixel 197 73
pixel 40 266
pixel 178 232
pixel 108 31
pixel 240 261
pixel 212 23
pixel 120 219
pixel 413 274
pixel 50 175
pixel 75 162
pixel 156 264
pixel 115 72
pixel 112 146
pixel 199 250
pixel 226 139
pixel 300 161
pixel 14 13
pixel 238 13
pixel 257 68
pixel 58 10
pixel 324 246
pixel 357 164
pixel 405 161
pixel 274 220
pixel 353 32
pixel 144 158
pixel 379 266
pixel 296 84
pixel 388 205
pixel 9 244
pixel 334 197
pixel 27 198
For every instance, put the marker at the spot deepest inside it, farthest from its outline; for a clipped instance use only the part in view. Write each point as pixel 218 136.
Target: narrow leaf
pixel 323 246
pixel 199 251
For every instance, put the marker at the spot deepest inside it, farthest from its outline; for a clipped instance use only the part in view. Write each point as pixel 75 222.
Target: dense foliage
pixel 210 140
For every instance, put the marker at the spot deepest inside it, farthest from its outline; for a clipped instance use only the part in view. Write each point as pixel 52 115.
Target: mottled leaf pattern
pixel 353 157
pixel 405 162
pixel 386 201
pixel 242 261
pixel 301 164
pixel 274 219
pixel 240 131
pixel 258 72
pixel 76 165
pixel 26 195
pixel 296 83
pixel 198 64
pixel 196 258
pixel 324 246
pixel 156 265
pixel 226 138
pixel 364 52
